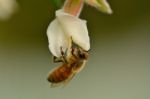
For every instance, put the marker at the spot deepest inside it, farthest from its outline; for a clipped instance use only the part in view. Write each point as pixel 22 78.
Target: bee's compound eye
pixel 83 55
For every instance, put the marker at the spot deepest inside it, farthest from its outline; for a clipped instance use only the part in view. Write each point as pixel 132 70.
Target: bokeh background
pixel 119 63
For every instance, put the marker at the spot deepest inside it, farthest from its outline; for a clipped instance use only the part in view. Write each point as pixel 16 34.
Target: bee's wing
pixel 74 72
pixel 53 85
pixel 68 80
pixel 79 67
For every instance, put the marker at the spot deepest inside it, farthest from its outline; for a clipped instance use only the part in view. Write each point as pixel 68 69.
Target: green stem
pixel 73 7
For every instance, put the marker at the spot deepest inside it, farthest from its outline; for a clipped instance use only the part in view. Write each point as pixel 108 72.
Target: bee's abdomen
pixel 60 74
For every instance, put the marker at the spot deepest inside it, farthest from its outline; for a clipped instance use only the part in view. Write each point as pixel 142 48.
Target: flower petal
pixel 7 8
pixel 57 38
pixel 101 5
pixel 76 28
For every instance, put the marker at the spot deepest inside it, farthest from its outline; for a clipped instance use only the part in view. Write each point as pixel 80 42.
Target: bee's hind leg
pixel 57 60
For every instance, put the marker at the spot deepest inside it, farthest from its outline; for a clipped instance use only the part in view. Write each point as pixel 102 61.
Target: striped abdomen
pixel 60 74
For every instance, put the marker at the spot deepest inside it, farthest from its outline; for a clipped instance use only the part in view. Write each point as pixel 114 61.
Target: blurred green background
pixel 119 63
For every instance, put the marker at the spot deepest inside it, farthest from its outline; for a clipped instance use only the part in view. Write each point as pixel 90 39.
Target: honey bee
pixel 71 65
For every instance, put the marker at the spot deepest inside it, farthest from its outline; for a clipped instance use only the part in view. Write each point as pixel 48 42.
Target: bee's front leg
pixel 74 51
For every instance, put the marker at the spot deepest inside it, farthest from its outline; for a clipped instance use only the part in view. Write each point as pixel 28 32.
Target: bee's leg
pixel 56 59
pixel 73 47
pixel 63 56
pixel 72 50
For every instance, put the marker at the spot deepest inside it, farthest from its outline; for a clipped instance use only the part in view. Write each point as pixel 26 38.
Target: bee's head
pixel 79 53
pixel 83 54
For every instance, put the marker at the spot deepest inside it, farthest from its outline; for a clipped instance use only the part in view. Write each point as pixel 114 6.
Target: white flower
pixel 62 29
pixel 7 7
pixel 101 5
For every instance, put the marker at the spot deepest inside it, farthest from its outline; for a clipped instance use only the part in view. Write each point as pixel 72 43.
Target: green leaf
pixel 57 3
